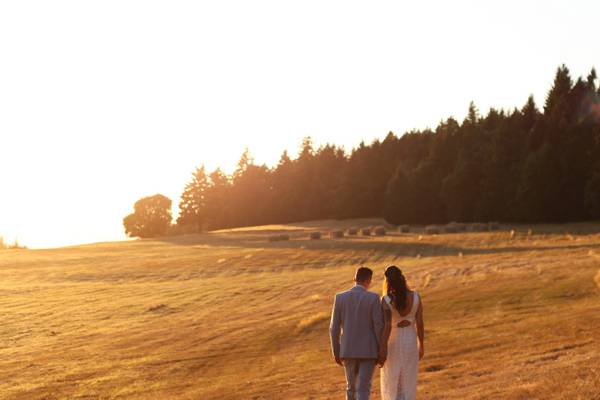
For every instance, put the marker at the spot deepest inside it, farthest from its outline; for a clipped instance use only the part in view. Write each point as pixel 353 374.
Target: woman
pixel 402 338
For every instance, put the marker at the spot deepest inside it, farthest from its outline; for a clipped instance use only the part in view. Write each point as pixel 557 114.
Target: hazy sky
pixel 103 102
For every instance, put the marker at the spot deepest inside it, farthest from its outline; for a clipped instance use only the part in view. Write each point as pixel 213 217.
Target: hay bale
pixel 432 230
pixel 379 231
pixel 404 228
pixel 512 234
pixel 365 231
pixel 455 227
pixel 460 226
pixel 278 238
pixel 353 231
pixel 336 234
pixel 477 227
pixel 451 228
pixel 315 235
pixel 493 226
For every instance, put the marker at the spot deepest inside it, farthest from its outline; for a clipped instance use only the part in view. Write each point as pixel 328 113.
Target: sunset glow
pixel 103 103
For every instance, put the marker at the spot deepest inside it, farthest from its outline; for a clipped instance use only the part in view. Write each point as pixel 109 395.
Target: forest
pixel 521 165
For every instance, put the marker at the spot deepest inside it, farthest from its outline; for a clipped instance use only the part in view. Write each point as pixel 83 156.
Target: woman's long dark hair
pixel 395 286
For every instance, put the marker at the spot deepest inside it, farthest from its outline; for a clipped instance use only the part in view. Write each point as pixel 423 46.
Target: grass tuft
pixel 310 323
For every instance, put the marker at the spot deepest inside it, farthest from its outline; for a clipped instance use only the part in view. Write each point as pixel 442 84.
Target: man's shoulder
pixel 342 293
pixel 372 295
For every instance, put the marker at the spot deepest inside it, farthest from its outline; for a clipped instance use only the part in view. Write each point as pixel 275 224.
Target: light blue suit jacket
pixel 356 324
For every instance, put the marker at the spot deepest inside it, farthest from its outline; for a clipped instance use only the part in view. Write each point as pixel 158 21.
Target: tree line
pixel 521 165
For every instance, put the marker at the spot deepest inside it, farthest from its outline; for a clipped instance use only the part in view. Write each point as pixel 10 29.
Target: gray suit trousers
pixel 359 374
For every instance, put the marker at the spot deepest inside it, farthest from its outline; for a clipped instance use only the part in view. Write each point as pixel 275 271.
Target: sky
pixel 104 102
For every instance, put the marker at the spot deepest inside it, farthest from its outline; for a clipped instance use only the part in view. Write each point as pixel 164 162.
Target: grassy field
pixel 229 315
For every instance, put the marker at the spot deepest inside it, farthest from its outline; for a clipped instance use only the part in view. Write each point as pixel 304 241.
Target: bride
pixel 400 351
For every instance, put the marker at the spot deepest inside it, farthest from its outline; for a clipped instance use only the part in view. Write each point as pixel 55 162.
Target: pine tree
pixel 217 199
pixel 244 162
pixel 556 106
pixel 537 199
pixel 400 201
pixel 192 206
pixel 530 114
pixel 473 114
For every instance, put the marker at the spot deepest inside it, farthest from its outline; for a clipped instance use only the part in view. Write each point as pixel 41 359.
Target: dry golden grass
pixel 229 315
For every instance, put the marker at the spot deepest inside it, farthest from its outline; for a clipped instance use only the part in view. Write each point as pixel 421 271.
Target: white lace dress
pixel 399 373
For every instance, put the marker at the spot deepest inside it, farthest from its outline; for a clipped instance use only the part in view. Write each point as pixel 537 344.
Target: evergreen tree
pixel 251 193
pixel 539 193
pixel 217 201
pixel 558 94
pixel 192 206
pixel 400 201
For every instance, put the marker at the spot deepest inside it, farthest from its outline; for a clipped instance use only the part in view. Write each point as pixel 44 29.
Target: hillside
pixel 230 315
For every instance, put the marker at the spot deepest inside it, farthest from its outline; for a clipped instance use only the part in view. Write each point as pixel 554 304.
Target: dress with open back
pixel 399 373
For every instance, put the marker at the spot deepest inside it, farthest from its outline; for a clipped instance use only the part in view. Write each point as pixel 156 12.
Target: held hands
pixel 382 357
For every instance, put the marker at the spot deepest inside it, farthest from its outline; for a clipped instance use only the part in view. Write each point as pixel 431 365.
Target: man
pixel 356 325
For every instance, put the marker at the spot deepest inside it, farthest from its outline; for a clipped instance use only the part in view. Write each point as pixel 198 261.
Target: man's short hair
pixel 363 274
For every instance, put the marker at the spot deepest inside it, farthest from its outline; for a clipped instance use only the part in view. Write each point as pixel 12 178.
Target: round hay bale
pixel 284 237
pixel 379 231
pixel 451 228
pixel 336 234
pixel 353 231
pixel 493 226
pixel 274 238
pixel 460 227
pixel 432 230
pixel 477 227
pixel 404 228
pixel 315 235
pixel 365 231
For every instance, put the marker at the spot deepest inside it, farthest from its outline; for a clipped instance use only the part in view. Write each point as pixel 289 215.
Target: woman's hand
pixel 421 351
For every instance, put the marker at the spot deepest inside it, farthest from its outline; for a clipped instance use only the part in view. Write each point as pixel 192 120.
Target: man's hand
pixel 382 357
pixel 421 351
pixel 338 361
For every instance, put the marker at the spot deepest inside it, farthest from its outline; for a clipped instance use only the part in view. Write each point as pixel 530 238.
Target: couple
pixel 366 332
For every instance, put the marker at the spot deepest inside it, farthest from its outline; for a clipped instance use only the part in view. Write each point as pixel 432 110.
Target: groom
pixel 355 328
